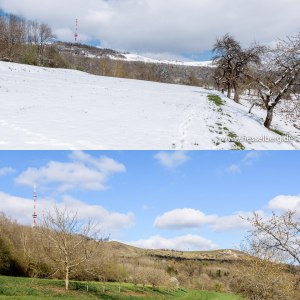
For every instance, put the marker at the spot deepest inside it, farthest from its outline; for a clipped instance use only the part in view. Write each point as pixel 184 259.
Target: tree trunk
pixel 251 108
pixel 236 94
pixel 67 279
pixel 229 92
pixel 119 287
pixel 152 287
pixel 143 287
pixel 269 117
pixel 134 287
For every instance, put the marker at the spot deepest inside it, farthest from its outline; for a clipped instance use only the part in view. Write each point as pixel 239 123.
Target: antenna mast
pixel 34 213
pixel 76 33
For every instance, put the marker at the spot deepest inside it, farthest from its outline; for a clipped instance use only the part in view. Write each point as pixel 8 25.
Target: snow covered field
pixel 135 57
pixel 64 109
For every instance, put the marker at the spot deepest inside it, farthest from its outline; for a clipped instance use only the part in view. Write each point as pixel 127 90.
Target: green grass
pixel 278 132
pixel 239 145
pixel 12 288
pixel 216 99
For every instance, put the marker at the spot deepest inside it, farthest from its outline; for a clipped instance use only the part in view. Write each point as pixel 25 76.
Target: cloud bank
pixel 82 172
pixel 21 209
pixel 283 203
pixel 163 26
pixel 183 243
pixel 189 218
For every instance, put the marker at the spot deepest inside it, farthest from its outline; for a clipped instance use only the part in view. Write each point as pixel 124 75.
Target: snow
pixel 135 57
pixel 45 108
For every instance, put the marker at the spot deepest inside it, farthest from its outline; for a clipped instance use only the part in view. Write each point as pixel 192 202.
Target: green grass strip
pixel 216 99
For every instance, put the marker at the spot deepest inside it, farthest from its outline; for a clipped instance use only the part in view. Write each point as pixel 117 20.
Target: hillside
pixel 130 251
pixel 135 57
pixel 45 108
pixel 99 52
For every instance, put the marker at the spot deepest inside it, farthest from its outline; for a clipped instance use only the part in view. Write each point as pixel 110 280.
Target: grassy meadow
pixel 13 288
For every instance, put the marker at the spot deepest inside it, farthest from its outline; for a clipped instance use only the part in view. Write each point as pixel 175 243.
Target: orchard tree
pixel 156 277
pixel 233 62
pixel 120 275
pixel 69 241
pixel 279 75
pixel 280 233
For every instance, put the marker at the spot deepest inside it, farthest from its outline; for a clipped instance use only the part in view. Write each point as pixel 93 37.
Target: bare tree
pixel 143 276
pixel 69 241
pixel 33 32
pixel 120 275
pixel 45 36
pixel 232 61
pixel 218 77
pixel 155 277
pixel 134 277
pixel 281 233
pixel 279 74
pixel 12 36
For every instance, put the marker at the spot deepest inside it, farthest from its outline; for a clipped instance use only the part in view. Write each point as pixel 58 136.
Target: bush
pixel 80 68
pixel 217 287
pixel 6 254
pixel 29 55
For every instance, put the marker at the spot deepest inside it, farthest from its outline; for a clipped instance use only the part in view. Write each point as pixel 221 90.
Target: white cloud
pixel 84 172
pixel 233 169
pixel 188 218
pixel 163 26
pixel 251 157
pixel 183 243
pixel 234 222
pixel 146 207
pixel 285 203
pixel 183 219
pixel 172 159
pixel 22 210
pixel 6 171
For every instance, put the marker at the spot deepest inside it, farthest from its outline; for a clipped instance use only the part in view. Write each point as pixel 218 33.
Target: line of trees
pixel 17 33
pixel 273 72
pixel 165 73
pixel 28 42
pixel 64 247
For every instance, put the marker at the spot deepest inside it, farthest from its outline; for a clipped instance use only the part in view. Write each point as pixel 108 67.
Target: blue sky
pixel 163 29
pixel 155 199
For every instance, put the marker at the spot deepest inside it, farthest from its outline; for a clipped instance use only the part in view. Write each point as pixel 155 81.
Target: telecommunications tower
pixel 76 33
pixel 34 214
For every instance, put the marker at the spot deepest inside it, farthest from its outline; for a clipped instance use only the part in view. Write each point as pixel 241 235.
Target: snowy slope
pixel 135 57
pixel 64 109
